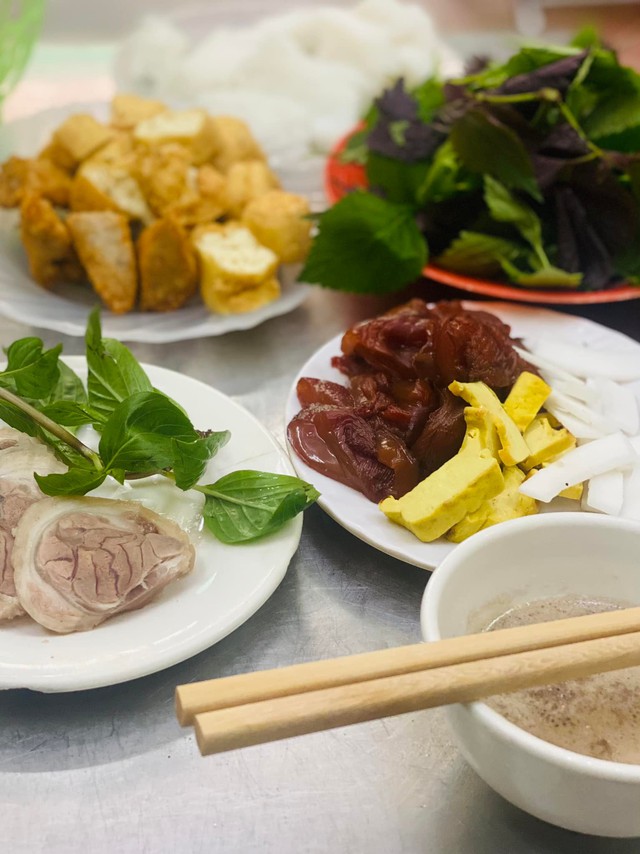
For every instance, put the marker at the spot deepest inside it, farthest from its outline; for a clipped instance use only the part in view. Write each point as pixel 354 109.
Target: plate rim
pixel 72 677
pixel 337 183
pixel 357 530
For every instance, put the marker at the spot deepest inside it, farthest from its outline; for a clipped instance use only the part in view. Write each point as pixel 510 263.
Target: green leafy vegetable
pixel 361 234
pixel 113 372
pixel 245 505
pixel 143 432
pixel 541 151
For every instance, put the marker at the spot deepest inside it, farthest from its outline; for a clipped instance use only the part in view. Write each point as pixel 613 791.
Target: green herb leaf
pixel 430 97
pixel 396 180
pixel 505 207
pixel 138 435
pixel 486 145
pixel 245 505
pixel 355 149
pixel 190 459
pixel 69 387
pixel 67 412
pixel 446 178
pixel 545 277
pixel 366 245
pixel 478 254
pixel 113 371
pixel 76 481
pixel 31 371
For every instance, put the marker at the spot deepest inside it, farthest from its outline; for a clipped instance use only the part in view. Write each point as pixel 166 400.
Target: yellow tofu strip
pixel 545 442
pixel 457 488
pixel 481 431
pixel 525 399
pixel 514 449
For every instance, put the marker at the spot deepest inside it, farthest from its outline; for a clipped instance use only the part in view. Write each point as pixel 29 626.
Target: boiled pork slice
pixel 20 456
pixel 79 561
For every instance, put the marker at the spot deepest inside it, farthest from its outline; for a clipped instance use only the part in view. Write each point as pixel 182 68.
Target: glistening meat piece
pixel 20 456
pixel 79 561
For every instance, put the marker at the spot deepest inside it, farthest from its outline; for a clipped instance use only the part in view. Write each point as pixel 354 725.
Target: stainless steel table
pixel 110 770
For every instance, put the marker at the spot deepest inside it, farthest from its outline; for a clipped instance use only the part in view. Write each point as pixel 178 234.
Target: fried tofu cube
pixel 47 242
pixel 76 138
pixel 103 242
pixel 236 272
pixel 194 129
pixel 232 253
pixel 205 198
pixel 128 110
pixel 168 266
pixel 277 219
pixel 247 180
pixel 20 176
pixel 235 143
pixel 162 174
pixel 119 149
pixel 108 187
pixel 217 298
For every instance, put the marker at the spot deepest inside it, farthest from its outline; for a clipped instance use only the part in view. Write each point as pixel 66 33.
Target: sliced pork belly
pixel 20 456
pixel 79 561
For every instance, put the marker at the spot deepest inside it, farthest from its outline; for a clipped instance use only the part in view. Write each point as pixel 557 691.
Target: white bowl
pixel 539 557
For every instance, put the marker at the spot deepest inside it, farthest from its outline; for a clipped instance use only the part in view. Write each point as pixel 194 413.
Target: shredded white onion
pixel 585 362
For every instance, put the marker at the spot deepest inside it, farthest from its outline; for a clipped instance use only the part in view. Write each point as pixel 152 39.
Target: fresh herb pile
pixel 142 432
pixel 529 171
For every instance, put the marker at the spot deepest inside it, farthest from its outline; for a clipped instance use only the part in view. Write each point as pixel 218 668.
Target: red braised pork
pixel 396 421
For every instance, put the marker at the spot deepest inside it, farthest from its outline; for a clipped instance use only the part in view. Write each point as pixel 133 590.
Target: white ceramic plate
pixel 362 517
pixel 227 585
pixel 66 308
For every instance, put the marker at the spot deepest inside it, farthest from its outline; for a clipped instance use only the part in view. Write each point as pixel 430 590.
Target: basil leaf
pixel 148 432
pixel 67 413
pixel 31 371
pixel 245 505
pixel 76 481
pixel 113 372
pixel 19 421
pixel 68 387
pixel 487 146
pixel 366 245
pixel 190 458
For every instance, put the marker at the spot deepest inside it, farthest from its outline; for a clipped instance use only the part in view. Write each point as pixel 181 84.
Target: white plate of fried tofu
pixel 172 220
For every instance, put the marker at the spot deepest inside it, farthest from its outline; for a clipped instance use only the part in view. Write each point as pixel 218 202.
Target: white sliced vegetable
pixel 575 388
pixel 581 411
pixel 580 464
pixel 631 492
pixel 605 492
pixel 574 425
pixel 617 403
pixel 584 361
pixel 635 442
pixel 544 364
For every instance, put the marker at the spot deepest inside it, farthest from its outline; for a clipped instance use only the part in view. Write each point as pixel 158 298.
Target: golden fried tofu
pixel 246 180
pixel 168 266
pixel 232 253
pixel 19 176
pixel 235 143
pixel 107 186
pixel 47 242
pixel 128 110
pixel 76 138
pixel 163 175
pixel 103 243
pixel 277 219
pixel 119 149
pixel 218 300
pixel 205 198
pixel 193 129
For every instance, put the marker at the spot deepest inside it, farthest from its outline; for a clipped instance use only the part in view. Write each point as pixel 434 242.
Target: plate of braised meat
pixel 398 401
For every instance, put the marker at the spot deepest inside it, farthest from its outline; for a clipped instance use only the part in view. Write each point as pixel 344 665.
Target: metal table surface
pixel 110 770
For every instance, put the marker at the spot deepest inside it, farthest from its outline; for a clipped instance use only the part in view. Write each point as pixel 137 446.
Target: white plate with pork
pixel 66 308
pixel 362 517
pixel 226 586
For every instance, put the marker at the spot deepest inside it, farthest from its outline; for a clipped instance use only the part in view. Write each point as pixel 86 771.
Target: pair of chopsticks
pixel 253 708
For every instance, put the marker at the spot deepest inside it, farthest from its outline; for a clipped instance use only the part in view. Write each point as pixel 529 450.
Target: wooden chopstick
pixel 212 694
pixel 314 711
